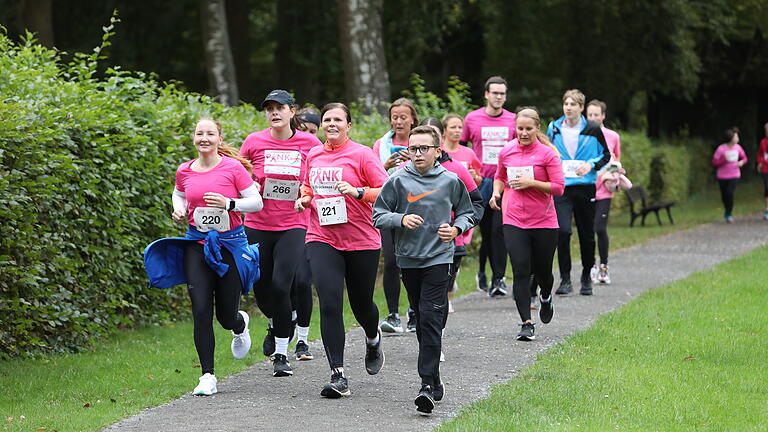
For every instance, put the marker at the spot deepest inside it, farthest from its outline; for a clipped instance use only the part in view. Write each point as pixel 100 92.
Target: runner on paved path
pixel 729 157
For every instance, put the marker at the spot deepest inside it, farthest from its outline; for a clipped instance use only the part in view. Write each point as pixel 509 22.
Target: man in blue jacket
pixel 583 151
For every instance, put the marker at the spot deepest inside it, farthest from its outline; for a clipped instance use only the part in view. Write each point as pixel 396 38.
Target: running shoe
pixel 241 343
pixel 594 273
pixel 604 277
pixel 535 303
pixel 425 401
pixel 282 367
pixel 546 311
pixel 411 321
pixel 302 351
pixel 526 332
pixel 482 282
pixel 391 324
pixel 439 391
pixel 374 357
pixel 565 287
pixel 586 287
pixel 268 346
pixel 729 219
pixel 207 386
pixel 498 288
pixel 338 387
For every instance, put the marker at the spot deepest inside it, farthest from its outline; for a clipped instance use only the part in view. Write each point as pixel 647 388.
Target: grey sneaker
pixel 527 332
pixel 374 357
pixel 302 351
pixel 391 324
pixel 338 387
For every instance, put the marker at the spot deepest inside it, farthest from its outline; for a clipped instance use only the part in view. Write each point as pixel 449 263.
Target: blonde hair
pixel 224 148
pixel 576 95
pixel 531 113
pixel 405 102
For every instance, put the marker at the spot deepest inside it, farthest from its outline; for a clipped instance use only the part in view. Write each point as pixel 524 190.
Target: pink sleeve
pixel 179 180
pixel 501 170
pixel 464 176
pixel 476 164
pixel 717 158
pixel 373 172
pixel 245 149
pixel 742 154
pixel 243 179
pixel 555 174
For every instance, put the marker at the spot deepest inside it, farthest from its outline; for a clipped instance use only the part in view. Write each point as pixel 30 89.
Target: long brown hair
pixel 225 149
pixel 531 113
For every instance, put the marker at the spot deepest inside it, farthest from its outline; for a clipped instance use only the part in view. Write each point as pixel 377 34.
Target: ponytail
pixel 545 140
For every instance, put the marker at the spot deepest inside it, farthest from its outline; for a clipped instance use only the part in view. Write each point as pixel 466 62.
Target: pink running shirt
pixel 228 178
pixel 278 167
pixel 726 159
pixel 488 136
pixel 357 165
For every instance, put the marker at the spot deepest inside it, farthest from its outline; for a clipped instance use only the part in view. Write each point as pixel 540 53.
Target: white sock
pixel 271 325
pixel 293 315
pixel 373 341
pixel 339 370
pixel 303 333
pixel 281 346
pixel 547 300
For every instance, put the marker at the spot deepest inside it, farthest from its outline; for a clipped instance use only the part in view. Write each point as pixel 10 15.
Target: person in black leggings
pixel 301 298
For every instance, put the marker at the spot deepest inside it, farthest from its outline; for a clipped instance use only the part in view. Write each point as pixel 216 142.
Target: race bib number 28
pixel 211 218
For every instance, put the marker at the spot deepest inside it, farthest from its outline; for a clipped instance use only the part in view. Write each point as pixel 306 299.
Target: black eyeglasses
pixel 420 149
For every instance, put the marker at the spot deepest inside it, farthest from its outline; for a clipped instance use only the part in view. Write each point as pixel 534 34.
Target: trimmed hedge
pixel 86 171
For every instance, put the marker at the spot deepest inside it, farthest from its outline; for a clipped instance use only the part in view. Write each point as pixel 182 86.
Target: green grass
pixel 150 366
pixel 688 356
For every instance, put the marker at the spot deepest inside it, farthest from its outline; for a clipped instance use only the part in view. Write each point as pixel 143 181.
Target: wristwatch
pixel 231 206
pixel 360 193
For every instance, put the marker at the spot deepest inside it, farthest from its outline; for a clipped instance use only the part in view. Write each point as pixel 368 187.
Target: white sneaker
pixel 594 273
pixel 442 357
pixel 241 343
pixel 207 386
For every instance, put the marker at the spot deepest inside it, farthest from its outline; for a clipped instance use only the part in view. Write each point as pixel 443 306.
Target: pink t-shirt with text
pixel 530 207
pixel 488 136
pixel 357 165
pixel 228 178
pixel 278 167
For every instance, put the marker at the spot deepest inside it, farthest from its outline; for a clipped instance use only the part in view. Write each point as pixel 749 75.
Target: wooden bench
pixel 638 195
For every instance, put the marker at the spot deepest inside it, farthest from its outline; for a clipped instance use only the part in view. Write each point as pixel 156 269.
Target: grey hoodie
pixel 432 196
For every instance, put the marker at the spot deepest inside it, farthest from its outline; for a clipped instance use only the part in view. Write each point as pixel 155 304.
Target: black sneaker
pixel 268 346
pixel 391 324
pixel 439 391
pixel 586 287
pixel 425 401
pixel 526 332
pixel 565 287
pixel 498 288
pixel 282 367
pixel 374 357
pixel 411 321
pixel 482 282
pixel 302 351
pixel 338 387
pixel 546 311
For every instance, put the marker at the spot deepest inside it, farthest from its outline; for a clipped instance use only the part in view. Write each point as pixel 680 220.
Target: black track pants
pixel 278 260
pixel 530 251
pixel 208 291
pixel 331 268
pixel 426 288
pixel 391 273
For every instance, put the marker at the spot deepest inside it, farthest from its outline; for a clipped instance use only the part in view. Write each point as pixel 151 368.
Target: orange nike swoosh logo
pixel 414 198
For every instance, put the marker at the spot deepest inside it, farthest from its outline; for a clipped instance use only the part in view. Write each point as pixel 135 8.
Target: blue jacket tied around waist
pixel 164 258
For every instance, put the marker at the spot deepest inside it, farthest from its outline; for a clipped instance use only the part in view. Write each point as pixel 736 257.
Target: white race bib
pixel 513 172
pixel 324 179
pixel 331 211
pixel 282 190
pixel 491 150
pixel 732 155
pixel 211 218
pixel 570 167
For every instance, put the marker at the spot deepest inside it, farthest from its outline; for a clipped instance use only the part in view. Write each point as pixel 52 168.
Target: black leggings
pixel 765 184
pixel 208 291
pixel 301 292
pixel 530 251
pixel 278 259
pixel 727 191
pixel 391 273
pixel 331 268
pixel 577 203
pixel 602 209
pixel 492 245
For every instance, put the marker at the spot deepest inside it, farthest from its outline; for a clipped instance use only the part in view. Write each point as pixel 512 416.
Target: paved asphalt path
pixel 479 345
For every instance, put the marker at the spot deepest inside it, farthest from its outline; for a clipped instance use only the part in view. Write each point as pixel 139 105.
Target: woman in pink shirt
pixel 211 191
pixel 342 182
pixel 279 156
pixel 530 174
pixel 729 157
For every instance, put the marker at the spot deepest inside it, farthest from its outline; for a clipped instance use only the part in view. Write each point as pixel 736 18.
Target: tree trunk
pixel 362 48
pixel 237 20
pixel 37 18
pixel 218 54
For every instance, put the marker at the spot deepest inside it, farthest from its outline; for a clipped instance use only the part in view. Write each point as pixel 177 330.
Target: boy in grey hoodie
pixel 416 202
